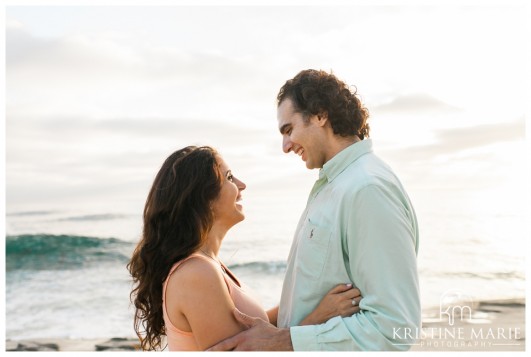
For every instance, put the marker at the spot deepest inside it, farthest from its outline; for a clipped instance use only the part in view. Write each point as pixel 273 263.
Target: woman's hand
pixel 343 300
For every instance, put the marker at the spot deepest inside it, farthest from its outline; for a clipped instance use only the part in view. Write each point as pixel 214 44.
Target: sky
pixel 98 96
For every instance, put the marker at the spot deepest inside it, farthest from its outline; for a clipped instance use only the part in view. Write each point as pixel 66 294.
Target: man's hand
pixel 260 336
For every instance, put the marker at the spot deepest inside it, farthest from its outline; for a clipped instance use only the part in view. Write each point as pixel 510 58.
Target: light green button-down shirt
pixel 359 226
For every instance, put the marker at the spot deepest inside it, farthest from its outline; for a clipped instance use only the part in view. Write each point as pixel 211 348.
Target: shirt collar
pixel 344 158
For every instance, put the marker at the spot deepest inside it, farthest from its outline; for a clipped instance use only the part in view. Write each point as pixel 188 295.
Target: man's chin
pixel 309 165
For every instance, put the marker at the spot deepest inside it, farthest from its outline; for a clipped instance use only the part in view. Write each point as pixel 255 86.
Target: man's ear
pixel 322 118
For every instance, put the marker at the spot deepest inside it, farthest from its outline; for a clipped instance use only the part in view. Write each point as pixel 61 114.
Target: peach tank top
pixel 241 295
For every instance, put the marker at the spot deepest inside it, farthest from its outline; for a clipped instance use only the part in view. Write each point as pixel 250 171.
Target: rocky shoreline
pixel 494 326
pixel 107 345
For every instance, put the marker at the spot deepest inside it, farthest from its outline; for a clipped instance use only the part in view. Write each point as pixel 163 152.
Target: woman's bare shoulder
pixel 197 272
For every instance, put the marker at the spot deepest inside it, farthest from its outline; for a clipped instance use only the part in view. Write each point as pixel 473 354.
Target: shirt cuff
pixel 304 338
pixel 318 337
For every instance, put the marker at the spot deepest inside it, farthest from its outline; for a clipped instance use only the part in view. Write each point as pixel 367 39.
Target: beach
pixel 494 326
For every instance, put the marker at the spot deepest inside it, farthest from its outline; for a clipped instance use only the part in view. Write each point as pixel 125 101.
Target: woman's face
pixel 227 206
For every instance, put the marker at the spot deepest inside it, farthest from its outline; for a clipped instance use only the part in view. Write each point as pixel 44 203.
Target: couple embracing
pixel 351 278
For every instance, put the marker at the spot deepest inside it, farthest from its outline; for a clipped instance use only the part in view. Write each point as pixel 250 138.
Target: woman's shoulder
pixel 195 272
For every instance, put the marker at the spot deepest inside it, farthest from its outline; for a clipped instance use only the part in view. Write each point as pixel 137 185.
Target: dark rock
pixel 119 344
pixel 31 346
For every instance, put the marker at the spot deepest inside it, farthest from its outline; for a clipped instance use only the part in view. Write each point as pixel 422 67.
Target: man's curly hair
pixel 314 92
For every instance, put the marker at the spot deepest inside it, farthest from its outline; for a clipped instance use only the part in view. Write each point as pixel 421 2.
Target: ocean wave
pixel 272 267
pixel 63 252
pixel 29 213
pixel 478 275
pixel 489 275
pixel 94 217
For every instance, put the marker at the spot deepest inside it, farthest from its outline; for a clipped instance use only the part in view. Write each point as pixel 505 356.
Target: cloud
pixel 468 157
pixel 414 103
pixel 19 42
pixel 454 140
pixel 86 154
pixel 121 56
pixel 480 135
pixel 102 74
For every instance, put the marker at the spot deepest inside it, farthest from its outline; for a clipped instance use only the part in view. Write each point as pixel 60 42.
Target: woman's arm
pixel 272 314
pixel 198 298
pixel 343 300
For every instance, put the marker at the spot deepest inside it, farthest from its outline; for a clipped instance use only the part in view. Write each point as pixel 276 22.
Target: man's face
pixel 305 139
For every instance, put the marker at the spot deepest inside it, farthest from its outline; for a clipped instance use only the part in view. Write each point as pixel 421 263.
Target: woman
pixel 182 289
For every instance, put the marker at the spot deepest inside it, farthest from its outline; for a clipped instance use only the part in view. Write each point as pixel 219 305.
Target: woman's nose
pixel 241 185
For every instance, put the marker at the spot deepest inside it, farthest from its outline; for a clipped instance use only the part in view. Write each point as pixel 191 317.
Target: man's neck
pixel 340 143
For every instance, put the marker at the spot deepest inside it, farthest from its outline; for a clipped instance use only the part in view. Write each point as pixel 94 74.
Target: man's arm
pixel 337 302
pixel 272 315
pixel 259 336
pixel 382 250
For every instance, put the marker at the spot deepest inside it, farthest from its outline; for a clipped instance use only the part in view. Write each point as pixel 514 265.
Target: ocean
pixel 66 271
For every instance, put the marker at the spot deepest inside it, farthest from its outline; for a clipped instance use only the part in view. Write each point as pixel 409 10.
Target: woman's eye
pixel 230 177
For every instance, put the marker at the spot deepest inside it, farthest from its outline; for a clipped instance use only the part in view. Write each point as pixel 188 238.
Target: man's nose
pixel 287 145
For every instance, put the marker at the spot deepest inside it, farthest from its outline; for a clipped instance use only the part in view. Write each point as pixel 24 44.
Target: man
pixel 358 225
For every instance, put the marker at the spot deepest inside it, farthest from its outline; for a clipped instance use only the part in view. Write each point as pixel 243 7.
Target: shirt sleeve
pixel 381 239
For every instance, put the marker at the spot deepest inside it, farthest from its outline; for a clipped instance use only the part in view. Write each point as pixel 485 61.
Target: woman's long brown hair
pixel 177 217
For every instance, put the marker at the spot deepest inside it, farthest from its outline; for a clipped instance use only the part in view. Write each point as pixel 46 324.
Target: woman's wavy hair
pixel 314 92
pixel 177 217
